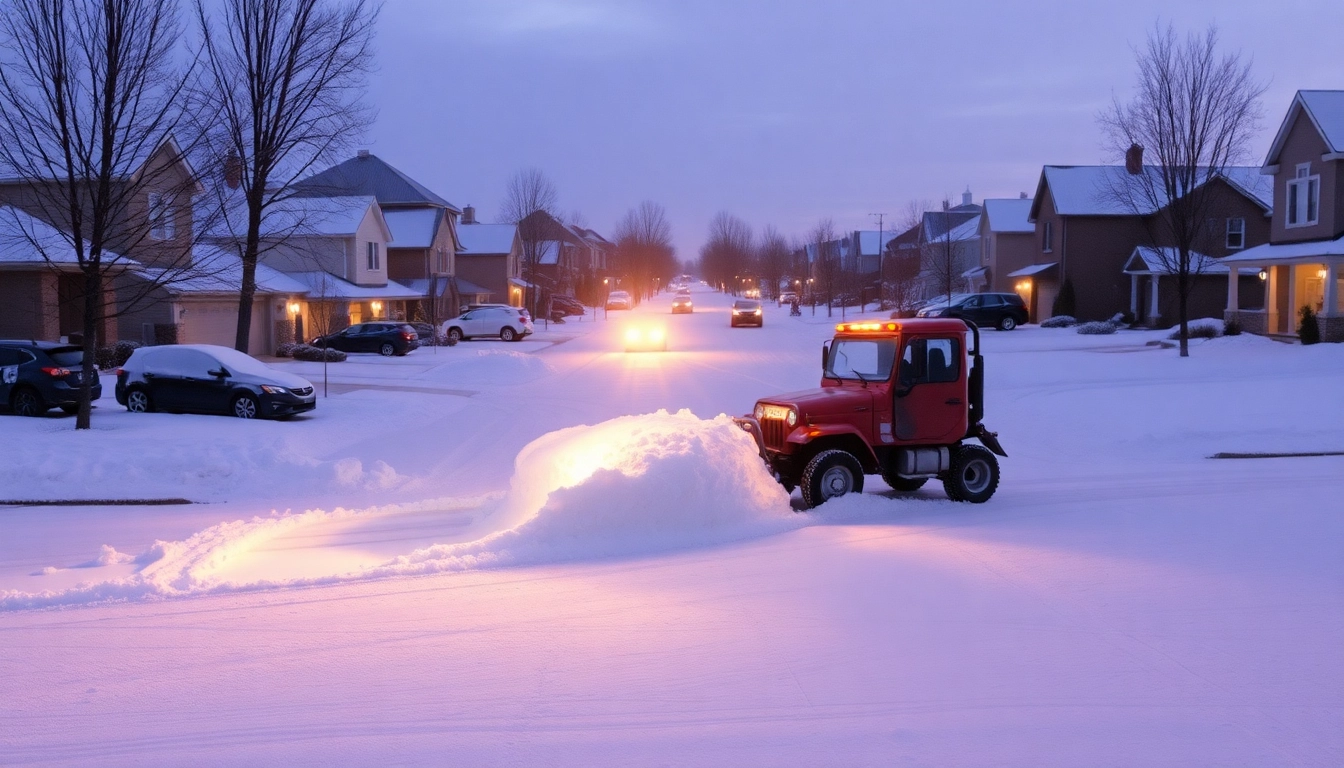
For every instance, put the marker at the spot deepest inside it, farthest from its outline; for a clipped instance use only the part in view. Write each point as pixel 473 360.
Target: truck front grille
pixel 773 432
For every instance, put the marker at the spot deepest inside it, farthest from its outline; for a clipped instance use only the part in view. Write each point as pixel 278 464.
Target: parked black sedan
pixel 204 378
pixel 385 338
pixel 1004 311
pixel 36 376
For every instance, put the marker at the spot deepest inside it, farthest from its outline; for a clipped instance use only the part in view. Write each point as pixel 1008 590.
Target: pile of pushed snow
pixel 631 485
pixel 628 486
pixel 495 366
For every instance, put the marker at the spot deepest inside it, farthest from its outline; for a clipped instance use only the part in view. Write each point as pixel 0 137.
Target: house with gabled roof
pixel 1302 264
pixel 491 258
pixel 1006 239
pixel 1101 242
pixel 949 248
pixel 423 225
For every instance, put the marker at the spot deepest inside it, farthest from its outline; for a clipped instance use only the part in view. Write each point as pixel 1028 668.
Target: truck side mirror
pixel 825 355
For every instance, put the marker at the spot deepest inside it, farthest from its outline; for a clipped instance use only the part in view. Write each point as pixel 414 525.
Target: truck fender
pixel 989 439
pixel 854 442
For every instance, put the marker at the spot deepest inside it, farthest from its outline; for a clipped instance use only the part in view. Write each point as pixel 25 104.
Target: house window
pixel 443 261
pixel 373 257
pixel 162 217
pixel 1047 236
pixel 1236 234
pixel 1304 198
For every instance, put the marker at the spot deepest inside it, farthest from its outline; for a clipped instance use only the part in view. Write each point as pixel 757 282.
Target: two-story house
pixel 491 258
pixel 1106 244
pixel 1007 244
pixel 949 249
pixel 1302 265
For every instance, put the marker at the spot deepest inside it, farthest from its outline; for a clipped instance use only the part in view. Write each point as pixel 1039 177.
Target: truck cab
pixel 898 398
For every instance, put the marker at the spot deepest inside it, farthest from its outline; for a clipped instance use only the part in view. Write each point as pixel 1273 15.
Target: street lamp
pixel 812 297
pixel 606 295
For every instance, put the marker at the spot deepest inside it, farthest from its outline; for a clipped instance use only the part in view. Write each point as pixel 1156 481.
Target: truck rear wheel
pixel 831 474
pixel 904 484
pixel 973 476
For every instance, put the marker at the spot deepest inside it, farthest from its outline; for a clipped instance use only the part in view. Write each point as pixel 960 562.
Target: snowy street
pixel 459 559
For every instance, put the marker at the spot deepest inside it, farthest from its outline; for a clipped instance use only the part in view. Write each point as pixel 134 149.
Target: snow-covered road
pixel 1122 600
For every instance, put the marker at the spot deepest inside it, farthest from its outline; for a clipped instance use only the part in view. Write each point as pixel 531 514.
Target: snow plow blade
pixel 989 439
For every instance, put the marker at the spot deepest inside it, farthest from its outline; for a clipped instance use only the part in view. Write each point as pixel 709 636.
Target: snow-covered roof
pixel 1164 261
pixel 1325 109
pixel 1034 269
pixel 321 216
pixel 486 238
pixel 868 240
pixel 1011 215
pixel 324 285
pixel 1271 253
pixel 219 270
pixel 1101 190
pixel 27 240
pixel 967 230
pixel 413 228
pixel 368 174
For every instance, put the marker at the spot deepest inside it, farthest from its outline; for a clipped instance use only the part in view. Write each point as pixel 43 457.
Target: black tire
pixel 973 476
pixel 1007 323
pixel 137 400
pixel 26 401
pixel 386 349
pixel 831 474
pixel 454 336
pixel 450 340
pixel 904 484
pixel 246 406
pixel 507 334
pixel 70 410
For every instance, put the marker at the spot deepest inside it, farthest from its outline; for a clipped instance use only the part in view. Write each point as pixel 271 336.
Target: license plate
pixel 776 412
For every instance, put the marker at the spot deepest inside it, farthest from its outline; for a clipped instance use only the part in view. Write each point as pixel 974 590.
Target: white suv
pixel 502 322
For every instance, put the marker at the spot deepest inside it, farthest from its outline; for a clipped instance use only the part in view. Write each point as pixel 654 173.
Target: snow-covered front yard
pixel 552 552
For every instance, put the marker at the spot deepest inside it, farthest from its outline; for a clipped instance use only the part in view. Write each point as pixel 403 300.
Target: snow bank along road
pixel 484 579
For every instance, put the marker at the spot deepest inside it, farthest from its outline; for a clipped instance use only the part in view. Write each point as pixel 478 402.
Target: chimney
pixel 363 154
pixel 469 215
pixel 233 170
pixel 966 197
pixel 1134 159
pixel 1021 195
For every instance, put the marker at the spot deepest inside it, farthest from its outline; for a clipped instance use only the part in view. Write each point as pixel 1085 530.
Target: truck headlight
pixel 759 413
pixel 792 418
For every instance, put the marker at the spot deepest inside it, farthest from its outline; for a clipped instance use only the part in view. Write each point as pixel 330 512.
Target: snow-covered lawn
pixel 501 553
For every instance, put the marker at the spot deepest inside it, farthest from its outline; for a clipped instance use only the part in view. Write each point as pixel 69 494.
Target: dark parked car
pixel 36 376
pixel 385 338
pixel 568 305
pixel 1004 311
pixel 204 378
pixel 747 312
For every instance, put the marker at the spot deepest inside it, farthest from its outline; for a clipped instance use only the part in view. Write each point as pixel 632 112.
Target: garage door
pixel 216 322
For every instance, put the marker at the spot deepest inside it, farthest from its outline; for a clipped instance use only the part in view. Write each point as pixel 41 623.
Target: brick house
pixel 491 257
pixel 1087 234
pixel 1007 244
pixel 1303 263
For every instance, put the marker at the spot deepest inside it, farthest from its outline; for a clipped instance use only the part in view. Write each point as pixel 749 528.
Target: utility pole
pixel 881 252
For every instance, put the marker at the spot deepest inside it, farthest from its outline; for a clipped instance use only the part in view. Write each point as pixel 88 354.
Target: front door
pixel 930 397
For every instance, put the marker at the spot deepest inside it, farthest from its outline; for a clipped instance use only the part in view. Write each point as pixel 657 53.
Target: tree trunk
pixel 93 315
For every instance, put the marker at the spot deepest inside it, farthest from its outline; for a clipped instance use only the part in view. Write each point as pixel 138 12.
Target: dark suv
pixel 1004 311
pixel 385 338
pixel 36 376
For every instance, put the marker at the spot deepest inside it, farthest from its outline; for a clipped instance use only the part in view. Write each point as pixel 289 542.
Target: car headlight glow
pixel 792 418
pixel 656 334
pixel 759 413
pixel 632 334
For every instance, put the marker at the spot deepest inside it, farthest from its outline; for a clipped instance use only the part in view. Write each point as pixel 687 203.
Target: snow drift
pixel 629 486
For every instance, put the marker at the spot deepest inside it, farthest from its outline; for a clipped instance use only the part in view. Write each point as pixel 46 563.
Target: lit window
pixel 162 217
pixel 1304 198
pixel 1236 234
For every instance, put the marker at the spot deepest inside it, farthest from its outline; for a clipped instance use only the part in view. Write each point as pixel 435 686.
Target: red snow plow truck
pixel 899 398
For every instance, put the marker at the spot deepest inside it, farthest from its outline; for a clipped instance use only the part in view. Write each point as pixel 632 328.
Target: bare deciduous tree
pixel 773 258
pixel 282 85
pixel 728 251
pixel 89 91
pixel 942 257
pixel 822 241
pixel 644 246
pixel 1193 115
pixel 530 203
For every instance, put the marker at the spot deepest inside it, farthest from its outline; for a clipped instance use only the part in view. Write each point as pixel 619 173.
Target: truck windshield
pixel 861 359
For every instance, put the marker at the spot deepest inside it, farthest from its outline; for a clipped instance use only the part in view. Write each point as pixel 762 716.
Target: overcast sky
pixel 786 112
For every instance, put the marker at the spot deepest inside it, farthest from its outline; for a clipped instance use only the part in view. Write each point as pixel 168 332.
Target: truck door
pixel 930 393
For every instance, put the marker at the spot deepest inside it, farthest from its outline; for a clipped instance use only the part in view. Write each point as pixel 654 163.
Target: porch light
pixel 377 306
pixel 1263 275
pixel 1321 274
pixel 293 307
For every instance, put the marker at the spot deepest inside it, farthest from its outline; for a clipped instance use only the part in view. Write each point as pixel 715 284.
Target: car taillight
pixel 407 336
pixel 121 372
pixel 56 373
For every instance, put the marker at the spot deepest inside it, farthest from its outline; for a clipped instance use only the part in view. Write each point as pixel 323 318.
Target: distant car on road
pixel 204 378
pixel 1004 311
pixel 385 338
pixel 567 306
pixel 620 300
pixel 36 376
pixel 682 304
pixel 502 322
pixel 747 312
pixel 787 297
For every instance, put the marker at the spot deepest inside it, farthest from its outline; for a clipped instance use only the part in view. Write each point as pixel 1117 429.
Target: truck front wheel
pixel 830 474
pixel 973 476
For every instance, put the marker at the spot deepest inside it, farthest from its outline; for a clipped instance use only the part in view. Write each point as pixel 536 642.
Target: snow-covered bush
pixel 1232 327
pixel 1060 321
pixel 1097 328
pixel 114 356
pixel 311 354
pixel 1197 330
pixel 287 349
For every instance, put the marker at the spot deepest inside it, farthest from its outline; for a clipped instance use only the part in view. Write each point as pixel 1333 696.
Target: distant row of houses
pixel 1276 244
pixel 358 241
